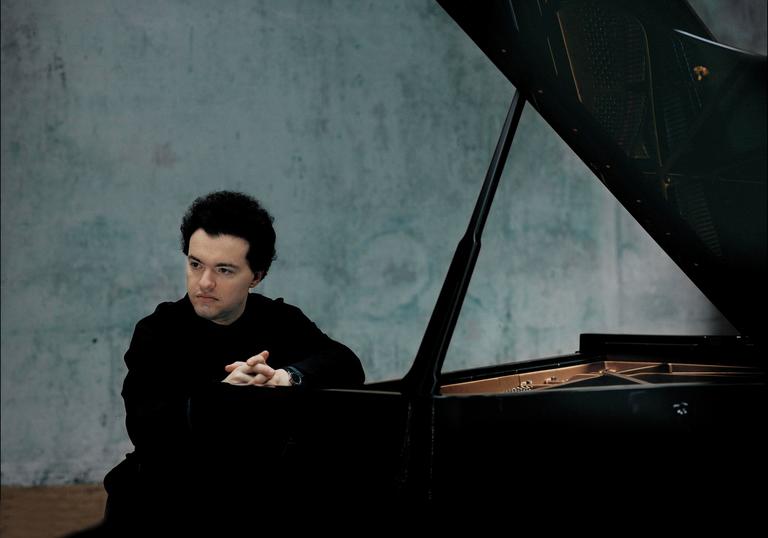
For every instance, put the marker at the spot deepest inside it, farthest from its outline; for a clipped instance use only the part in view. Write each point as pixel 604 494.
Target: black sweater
pixel 175 354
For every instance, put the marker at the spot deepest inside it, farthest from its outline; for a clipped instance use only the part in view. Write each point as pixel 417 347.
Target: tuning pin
pixel 700 72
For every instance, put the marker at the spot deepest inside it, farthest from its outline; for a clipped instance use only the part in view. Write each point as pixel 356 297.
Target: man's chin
pixel 205 311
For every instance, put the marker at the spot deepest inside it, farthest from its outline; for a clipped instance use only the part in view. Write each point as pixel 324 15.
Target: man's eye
pixel 225 271
pixel 194 265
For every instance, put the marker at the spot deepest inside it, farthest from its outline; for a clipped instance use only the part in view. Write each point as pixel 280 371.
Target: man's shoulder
pixel 258 299
pixel 169 311
pixel 261 304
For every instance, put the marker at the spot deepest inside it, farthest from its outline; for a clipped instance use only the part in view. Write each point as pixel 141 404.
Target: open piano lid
pixel 670 121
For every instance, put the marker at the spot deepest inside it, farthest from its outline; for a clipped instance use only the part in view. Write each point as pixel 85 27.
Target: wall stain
pixel 22 37
pixel 56 67
pixel 164 156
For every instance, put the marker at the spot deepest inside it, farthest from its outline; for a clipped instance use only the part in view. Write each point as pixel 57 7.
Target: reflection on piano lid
pixel 672 122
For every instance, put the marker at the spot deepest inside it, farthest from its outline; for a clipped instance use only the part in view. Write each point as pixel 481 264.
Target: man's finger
pixel 258 379
pixel 233 366
pixel 265 370
pixel 238 378
pixel 260 358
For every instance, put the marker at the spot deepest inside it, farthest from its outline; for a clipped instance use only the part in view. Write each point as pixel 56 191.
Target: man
pixel 218 333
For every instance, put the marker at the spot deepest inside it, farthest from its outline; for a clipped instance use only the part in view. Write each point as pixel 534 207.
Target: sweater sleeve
pixel 325 362
pixel 155 404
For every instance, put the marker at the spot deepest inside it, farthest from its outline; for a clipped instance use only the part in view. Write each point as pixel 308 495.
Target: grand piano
pixel 673 123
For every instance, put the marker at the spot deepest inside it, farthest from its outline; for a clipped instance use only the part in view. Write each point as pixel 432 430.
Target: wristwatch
pixel 296 377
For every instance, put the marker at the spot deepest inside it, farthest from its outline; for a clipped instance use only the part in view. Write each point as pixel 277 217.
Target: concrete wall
pixel 365 128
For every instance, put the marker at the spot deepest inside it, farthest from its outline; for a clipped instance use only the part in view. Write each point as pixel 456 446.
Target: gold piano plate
pixel 606 373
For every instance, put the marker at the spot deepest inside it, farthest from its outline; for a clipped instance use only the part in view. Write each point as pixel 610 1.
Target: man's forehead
pixel 218 249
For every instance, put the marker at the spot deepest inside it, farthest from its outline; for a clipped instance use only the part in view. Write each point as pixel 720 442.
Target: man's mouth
pixel 206 298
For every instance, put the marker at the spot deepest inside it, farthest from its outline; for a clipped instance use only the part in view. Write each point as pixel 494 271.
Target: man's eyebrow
pixel 222 264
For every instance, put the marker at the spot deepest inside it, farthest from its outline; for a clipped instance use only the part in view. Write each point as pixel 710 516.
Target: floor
pixel 50 511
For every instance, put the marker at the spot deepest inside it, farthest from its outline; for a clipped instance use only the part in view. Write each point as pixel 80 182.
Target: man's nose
pixel 207 281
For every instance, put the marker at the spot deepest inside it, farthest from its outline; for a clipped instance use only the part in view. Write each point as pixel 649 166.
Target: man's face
pixel 218 276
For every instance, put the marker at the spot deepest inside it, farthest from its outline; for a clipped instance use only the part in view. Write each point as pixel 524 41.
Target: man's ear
pixel 257 277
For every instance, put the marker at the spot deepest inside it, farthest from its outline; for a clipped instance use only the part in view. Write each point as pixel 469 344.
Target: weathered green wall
pixel 365 127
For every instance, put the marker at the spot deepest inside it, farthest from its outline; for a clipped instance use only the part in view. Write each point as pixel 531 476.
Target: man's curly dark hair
pixel 233 213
